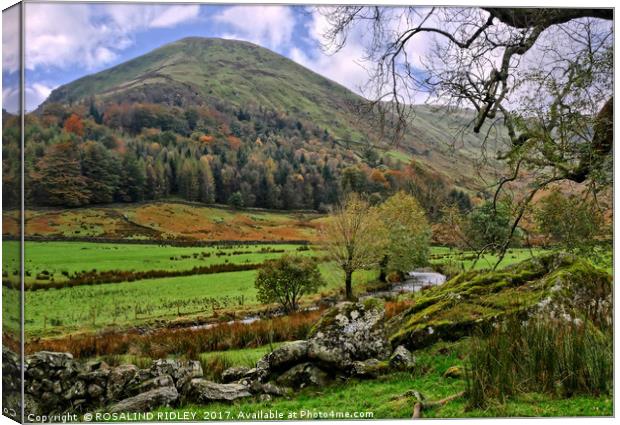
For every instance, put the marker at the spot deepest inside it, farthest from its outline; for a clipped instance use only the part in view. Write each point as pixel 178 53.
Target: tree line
pixel 93 154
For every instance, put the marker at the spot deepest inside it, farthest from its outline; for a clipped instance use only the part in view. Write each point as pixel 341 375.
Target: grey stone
pixel 287 354
pixel 302 375
pixel 233 374
pixel 147 401
pixel 118 378
pixel 201 391
pixel 402 359
pixel 349 332
pixel 150 384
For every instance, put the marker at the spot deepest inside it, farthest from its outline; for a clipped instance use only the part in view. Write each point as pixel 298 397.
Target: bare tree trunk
pixel 347 285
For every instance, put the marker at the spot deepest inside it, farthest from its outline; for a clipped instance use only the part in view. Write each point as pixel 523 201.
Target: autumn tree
pixel 408 233
pixel 74 125
pixel 286 279
pixel 57 179
pixel 354 237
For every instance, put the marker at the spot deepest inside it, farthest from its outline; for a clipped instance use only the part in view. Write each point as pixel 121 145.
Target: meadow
pixel 59 261
pixel 88 308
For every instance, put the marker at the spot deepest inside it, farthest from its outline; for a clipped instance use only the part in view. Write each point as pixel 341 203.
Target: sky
pixel 64 42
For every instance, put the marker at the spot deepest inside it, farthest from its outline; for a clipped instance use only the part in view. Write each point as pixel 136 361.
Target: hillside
pixel 207 71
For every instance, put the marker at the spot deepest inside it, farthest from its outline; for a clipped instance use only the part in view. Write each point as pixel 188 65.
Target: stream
pixel 416 281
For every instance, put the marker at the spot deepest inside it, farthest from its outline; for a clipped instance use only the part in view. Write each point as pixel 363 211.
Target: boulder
pixel 181 372
pixel 150 384
pixel 286 355
pixel 269 388
pixel 147 401
pixel 47 360
pixel 303 375
pixel 349 332
pixel 201 391
pixel 560 285
pixel 402 359
pixel 234 373
pixel 370 368
pixel 118 379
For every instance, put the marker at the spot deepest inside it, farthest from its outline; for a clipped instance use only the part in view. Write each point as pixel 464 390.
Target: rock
pixel 370 368
pixel 287 354
pixel 118 378
pixel 269 388
pixel 48 359
pixel 453 372
pixel 201 391
pixel 303 375
pixel 234 374
pixel 349 332
pixel 95 391
pixel 78 390
pixel 559 285
pixel 147 401
pixel 264 398
pixel 150 384
pixel 402 359
pixel 181 371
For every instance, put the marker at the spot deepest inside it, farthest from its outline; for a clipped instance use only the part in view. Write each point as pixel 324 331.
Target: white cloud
pixel 270 26
pixel 175 15
pixel 345 66
pixel 10 39
pixel 10 98
pixel 36 94
pixel 64 35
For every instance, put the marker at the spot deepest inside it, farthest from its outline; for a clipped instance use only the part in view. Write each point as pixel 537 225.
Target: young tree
pixel 236 200
pixel 488 226
pixel 286 280
pixel 574 224
pixel 354 237
pixel 408 232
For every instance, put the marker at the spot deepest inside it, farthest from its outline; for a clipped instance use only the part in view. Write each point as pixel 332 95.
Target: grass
pixel 57 312
pixel 382 397
pixel 547 355
pixel 58 261
pixel 90 308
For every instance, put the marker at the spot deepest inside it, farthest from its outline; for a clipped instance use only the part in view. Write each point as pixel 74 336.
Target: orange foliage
pixel 377 177
pixel 74 125
pixel 207 139
pixel 234 142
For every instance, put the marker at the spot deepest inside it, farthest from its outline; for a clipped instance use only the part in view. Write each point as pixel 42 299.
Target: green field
pixel 63 259
pixel 127 304
pixel 59 311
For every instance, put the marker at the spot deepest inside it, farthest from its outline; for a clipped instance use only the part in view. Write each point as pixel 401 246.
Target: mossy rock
pixel 557 284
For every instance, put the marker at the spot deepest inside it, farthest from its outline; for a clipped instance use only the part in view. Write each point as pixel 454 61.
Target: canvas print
pixel 297 212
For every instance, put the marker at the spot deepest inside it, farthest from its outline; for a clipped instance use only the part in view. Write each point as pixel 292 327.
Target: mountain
pixel 204 71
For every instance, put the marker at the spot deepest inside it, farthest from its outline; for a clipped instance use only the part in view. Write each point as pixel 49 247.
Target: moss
pixel 478 299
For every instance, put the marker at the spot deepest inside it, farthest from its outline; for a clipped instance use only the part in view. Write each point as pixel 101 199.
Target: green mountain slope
pixel 203 71
pixel 195 71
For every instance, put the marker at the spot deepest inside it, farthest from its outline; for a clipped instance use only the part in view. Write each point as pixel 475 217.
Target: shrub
pixel 286 280
pixel 556 356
